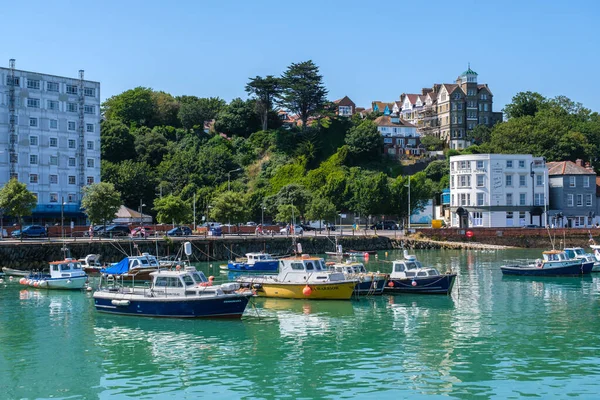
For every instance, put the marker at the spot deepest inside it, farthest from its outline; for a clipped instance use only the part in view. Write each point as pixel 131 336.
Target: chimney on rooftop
pixel 579 162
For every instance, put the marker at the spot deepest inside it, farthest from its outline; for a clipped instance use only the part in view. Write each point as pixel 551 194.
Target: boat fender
pixel 391 284
pixel 538 263
pixel 205 284
pixel 414 283
pixel 120 303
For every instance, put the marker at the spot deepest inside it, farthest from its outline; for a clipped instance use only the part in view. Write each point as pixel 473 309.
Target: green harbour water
pixel 494 337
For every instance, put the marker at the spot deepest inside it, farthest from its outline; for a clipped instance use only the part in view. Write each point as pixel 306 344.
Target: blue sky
pixel 366 50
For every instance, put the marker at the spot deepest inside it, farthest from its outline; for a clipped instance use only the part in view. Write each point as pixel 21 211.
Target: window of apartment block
pixel 387 140
pixel 71 161
pixel 485 107
pixel 33 122
pixel 508 180
pixel 71 198
pixel 71 126
pixel 521 163
pixel 509 164
pixel 72 89
pixel 522 180
pixel 33 103
pixel 480 180
pixel 53 179
pixel 33 84
pixel 53 160
pixel 14 118
pixel 89 109
pixel 509 199
pixel 72 180
pixel 53 142
pixel 71 107
pixel 89 92
pixel 477 218
pixel 456 96
pixel 485 120
pixel 579 200
pixel 522 198
pixel 33 140
pixel 588 200
pixel 33 159
pixel 459 106
pixel 465 199
pixel 460 119
pixel 483 96
pixel 464 181
pixel 52 105
pixel 53 197
pixel 71 143
pixel 464 164
pixel 90 145
pixel 570 200
pixel 33 178
pixel 89 128
pixel 52 86
pixel 14 158
pixel 571 181
pixel 539 180
pixel 480 199
pixel 509 218
pixel 10 81
pixel 521 218
pixel 480 165
pixel 53 124
pixel 586 181
pixel 90 163
pixel 538 199
pixel 90 180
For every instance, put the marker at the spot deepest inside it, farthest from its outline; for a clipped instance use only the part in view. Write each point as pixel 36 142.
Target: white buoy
pixel 187 246
pixel 89 288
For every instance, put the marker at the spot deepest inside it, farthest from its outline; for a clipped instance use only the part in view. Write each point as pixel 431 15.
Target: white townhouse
pixel 50 138
pixel 498 190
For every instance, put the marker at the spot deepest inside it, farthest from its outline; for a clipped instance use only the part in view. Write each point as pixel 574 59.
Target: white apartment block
pixel 498 190
pixel 54 124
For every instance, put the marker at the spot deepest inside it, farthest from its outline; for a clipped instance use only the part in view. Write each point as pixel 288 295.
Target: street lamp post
pixel 229 177
pixel 262 216
pixel 142 212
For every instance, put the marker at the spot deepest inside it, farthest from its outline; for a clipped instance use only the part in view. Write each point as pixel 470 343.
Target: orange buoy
pixel 414 283
pixel 391 284
pixel 307 290
pixel 22 281
pixel 36 284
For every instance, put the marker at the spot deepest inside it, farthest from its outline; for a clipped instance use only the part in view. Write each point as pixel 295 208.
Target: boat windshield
pixel 199 277
pixel 188 280
pixel 579 251
pixel 413 265
pixel 69 266
pixel 570 254
pixel 361 268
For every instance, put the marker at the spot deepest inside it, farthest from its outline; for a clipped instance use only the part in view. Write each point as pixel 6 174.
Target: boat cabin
pixel 300 268
pixel 348 268
pixel 144 261
pixel 411 268
pixel 66 268
pixel 576 252
pixel 187 282
pixel 252 258
pixel 554 256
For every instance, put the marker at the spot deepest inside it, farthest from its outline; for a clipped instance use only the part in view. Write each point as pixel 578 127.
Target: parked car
pixel 137 231
pixel 389 225
pixel 297 230
pixel 250 223
pixel 179 231
pixel 308 227
pixel 114 230
pixel 213 228
pixel 30 231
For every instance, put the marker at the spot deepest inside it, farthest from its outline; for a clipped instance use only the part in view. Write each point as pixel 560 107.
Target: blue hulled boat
pixel 179 293
pixel 410 276
pixel 254 262
pixel 369 283
pixel 554 263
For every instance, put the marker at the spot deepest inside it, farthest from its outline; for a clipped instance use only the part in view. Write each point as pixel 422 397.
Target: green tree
pixel 480 134
pixel 193 111
pixel 321 209
pixel 166 109
pixel 238 118
pixel 150 146
pixel 134 106
pixel 16 200
pixel 303 91
pixel 287 213
pixel 364 141
pixel 265 90
pixel 134 180
pixel 172 209
pixel 369 192
pixel 295 194
pixel 432 143
pixel 525 103
pixel 117 142
pixel 435 170
pixel 229 206
pixel 100 202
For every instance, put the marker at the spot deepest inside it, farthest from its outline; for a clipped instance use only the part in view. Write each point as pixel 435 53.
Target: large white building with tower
pixel 50 138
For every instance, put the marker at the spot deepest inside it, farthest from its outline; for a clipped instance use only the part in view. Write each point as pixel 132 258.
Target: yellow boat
pixel 302 277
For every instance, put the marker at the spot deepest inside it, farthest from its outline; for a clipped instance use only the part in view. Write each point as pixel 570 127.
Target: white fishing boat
pixel 369 283
pixel 578 253
pixel 66 274
pixel 14 272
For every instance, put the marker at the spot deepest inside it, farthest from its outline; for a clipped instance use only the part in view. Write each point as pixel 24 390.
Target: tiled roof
pixel 386 120
pixel 344 101
pixel 412 98
pixel 567 168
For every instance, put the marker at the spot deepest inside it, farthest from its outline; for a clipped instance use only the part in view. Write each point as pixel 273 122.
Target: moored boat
pixel 369 283
pixel 580 254
pixel 91 264
pixel 66 274
pixel 175 293
pixel 136 268
pixel 254 262
pixel 15 272
pixel 410 276
pixel 301 277
pixel 553 263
